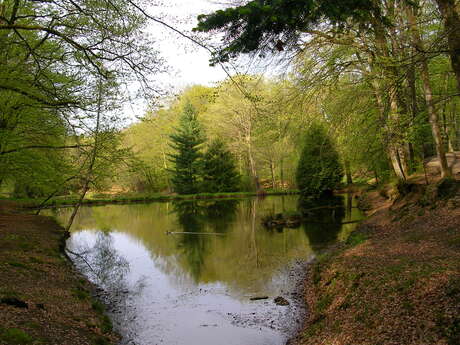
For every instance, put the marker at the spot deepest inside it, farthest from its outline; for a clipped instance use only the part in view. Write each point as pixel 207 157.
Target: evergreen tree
pixel 188 159
pixel 319 170
pixel 219 171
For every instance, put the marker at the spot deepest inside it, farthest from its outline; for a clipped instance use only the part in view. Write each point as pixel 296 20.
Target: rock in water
pixel 281 301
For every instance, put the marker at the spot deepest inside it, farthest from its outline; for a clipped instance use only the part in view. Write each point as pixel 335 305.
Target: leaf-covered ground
pixel 42 299
pixel 396 281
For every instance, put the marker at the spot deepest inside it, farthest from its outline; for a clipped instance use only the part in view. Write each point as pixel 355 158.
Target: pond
pixel 207 272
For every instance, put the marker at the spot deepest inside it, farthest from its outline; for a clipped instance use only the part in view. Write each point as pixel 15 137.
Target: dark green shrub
pixel 219 170
pixel 319 170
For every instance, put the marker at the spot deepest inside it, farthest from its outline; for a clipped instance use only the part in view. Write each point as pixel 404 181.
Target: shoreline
pixel 60 202
pixel 43 298
pixel 395 281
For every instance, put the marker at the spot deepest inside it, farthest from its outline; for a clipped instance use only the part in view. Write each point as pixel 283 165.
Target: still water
pixel 184 273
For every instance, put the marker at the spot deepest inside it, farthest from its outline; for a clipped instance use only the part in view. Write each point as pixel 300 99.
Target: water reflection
pixel 216 256
pixel 101 263
pixel 322 220
pixel 192 246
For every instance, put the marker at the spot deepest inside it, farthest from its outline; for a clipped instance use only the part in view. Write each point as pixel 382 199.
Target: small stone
pixel 281 301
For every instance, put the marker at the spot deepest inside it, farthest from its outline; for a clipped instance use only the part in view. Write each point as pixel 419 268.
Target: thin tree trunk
pixel 89 172
pixel 432 113
pixel 282 173
pixel 451 17
pixel 411 81
pixel 252 165
pixel 272 170
pixel 348 172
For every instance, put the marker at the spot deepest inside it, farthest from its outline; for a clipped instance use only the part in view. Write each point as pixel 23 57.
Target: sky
pixel 188 64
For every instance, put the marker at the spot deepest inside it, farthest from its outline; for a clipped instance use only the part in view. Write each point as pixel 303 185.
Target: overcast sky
pixel 189 63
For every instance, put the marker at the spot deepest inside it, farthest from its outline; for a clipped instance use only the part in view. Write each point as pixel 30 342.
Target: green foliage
pixel 187 160
pixel 319 170
pixel 219 171
pixel 272 24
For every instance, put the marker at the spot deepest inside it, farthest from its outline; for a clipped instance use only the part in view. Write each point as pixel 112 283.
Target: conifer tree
pixel 319 170
pixel 188 159
pixel 219 171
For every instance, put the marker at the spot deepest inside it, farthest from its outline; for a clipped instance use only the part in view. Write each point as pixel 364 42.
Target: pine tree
pixel 319 170
pixel 219 171
pixel 188 159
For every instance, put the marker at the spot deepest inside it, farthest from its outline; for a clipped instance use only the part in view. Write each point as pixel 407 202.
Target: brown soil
pixel 43 300
pixel 396 281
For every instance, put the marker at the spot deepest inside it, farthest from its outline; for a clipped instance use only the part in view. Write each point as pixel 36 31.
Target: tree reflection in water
pixel 195 217
pixel 102 264
pixel 323 220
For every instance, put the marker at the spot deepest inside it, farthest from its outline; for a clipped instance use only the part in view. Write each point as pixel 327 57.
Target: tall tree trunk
pixel 451 18
pixel 411 81
pixel 282 173
pixel 272 170
pixel 392 142
pixel 252 165
pixel 432 113
pixel 348 172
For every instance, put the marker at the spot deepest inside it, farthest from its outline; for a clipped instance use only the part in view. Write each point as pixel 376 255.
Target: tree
pixel 319 170
pixel 219 169
pixel 264 25
pixel 273 25
pixel 450 13
pixel 187 160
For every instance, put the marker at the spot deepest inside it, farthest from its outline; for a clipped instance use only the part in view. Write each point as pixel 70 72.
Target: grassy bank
pixel 396 280
pixel 42 298
pixel 100 199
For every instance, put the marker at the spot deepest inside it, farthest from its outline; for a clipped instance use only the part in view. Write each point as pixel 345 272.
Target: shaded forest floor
pixel 42 298
pixel 397 280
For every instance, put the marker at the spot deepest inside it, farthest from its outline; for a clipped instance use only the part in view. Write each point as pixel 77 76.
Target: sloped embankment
pixel 42 299
pixel 397 281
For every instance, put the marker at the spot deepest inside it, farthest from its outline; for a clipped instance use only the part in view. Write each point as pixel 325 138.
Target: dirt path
pixel 42 299
pixel 453 160
pixel 397 281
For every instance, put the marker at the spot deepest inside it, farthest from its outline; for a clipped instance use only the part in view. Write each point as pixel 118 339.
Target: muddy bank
pixel 43 300
pixel 395 281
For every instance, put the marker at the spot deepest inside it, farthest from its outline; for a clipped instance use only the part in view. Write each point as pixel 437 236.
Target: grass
pixel 135 198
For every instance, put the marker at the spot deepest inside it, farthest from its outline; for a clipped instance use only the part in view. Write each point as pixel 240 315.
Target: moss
pixel 101 341
pixel 15 336
pixel 356 238
pixel 314 329
pixel 80 293
pixel 98 306
pixel 9 293
pixel 18 265
pixel 35 260
pixel 106 324
pixel 324 302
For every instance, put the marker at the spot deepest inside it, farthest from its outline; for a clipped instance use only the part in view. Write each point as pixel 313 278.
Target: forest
pixel 380 78
pixel 306 193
